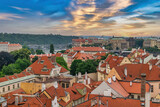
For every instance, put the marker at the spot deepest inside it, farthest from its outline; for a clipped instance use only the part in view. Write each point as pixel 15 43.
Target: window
pixel 13 87
pixel 8 88
pixel 63 85
pixel 132 96
pixel 3 89
pixel 151 88
pixel 138 97
pixel 18 85
pixel 67 85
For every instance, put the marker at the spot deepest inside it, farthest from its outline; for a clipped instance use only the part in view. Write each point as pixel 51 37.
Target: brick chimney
pixel 143 87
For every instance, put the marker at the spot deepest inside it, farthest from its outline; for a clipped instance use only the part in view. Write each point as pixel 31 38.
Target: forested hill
pixel 36 38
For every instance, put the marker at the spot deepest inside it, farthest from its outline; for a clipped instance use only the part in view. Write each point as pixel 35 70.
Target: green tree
pixel 25 47
pixel 17 67
pixel 22 53
pixel 74 66
pixel 109 46
pixel 88 66
pixel 39 51
pixel 62 62
pixel 34 59
pixel 139 42
pixel 22 64
pixel 5 59
pixel 32 51
pixel 52 48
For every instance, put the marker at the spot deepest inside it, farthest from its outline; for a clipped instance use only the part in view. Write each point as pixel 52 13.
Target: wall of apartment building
pixel 156 88
pixel 4 47
pixel 101 76
pixel 93 76
pixel 13 48
pixel 112 73
pixel 125 61
pixel 121 44
pixel 12 86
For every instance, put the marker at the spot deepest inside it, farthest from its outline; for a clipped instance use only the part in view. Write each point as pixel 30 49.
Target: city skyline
pixel 81 17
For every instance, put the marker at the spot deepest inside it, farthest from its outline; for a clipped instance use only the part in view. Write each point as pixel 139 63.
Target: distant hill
pixel 36 38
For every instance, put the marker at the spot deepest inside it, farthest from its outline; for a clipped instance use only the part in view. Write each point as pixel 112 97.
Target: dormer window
pixel 45 69
pixel 42 61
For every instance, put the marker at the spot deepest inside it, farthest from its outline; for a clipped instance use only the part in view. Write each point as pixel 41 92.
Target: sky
pixel 81 17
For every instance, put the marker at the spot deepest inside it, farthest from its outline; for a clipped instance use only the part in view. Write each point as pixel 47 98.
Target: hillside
pixel 36 38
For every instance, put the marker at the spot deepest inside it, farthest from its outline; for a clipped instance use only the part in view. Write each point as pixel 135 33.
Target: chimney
pixel 89 80
pixel 79 74
pixel 114 78
pixel 39 59
pixel 150 67
pixel 16 100
pixel 55 84
pixel 99 66
pixel 20 98
pixel 109 80
pixel 143 86
pixel 125 71
pixel 84 82
pixel 85 75
pixel 44 79
pixel 130 83
pixel 106 67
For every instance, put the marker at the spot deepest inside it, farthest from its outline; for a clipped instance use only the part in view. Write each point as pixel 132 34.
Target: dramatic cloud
pixel 82 17
pixel 7 16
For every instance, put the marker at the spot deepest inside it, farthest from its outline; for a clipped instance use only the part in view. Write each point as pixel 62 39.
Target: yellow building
pixel 31 88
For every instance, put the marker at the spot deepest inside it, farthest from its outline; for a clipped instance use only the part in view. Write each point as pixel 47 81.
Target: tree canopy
pixel 17 67
pixel 62 62
pixel 5 59
pixel 36 38
pixel 22 53
pixel 51 48
pixel 74 66
pixel 88 66
pixel 39 51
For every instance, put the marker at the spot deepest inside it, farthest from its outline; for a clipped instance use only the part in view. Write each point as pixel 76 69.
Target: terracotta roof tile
pixel 134 88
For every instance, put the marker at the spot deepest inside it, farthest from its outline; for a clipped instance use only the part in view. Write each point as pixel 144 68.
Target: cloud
pixel 8 16
pixel 134 26
pixel 87 14
pixel 19 8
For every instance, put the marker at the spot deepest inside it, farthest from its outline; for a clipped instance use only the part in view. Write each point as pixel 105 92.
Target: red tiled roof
pixel 100 54
pixel 90 49
pixel 83 56
pixel 58 54
pixel 37 66
pixel 3 79
pixel 59 92
pixel 74 92
pixel 82 40
pixel 134 88
pixel 95 84
pixel 117 102
pixel 4 42
pixel 134 71
pixel 10 94
pixel 14 45
pixel 153 61
pixel 112 61
pixel 115 85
